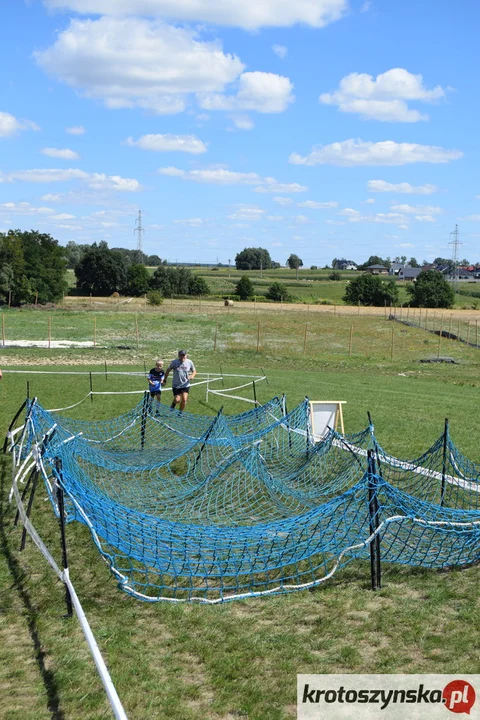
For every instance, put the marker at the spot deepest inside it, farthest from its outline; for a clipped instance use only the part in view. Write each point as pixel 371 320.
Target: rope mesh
pixel 190 507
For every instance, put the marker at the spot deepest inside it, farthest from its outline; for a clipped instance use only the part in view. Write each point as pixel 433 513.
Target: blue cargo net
pixel 209 509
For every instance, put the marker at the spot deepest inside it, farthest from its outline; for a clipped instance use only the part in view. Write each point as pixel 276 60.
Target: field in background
pixel 311 287
pixel 239 660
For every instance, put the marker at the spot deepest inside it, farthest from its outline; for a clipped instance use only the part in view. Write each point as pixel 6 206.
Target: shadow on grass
pixel 18 577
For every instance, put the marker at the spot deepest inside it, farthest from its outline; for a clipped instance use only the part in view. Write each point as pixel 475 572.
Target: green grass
pixel 238 660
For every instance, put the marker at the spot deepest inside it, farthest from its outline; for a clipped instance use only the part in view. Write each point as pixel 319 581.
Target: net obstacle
pixel 206 509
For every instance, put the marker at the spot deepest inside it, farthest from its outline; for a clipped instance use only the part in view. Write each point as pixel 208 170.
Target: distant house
pixel 410 274
pixel 346 265
pixel 377 270
pixel 395 268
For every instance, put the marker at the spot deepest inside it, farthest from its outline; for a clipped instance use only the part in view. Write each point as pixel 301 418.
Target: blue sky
pixel 328 128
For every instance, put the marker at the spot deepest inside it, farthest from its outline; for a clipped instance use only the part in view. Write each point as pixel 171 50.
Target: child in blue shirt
pixel 155 380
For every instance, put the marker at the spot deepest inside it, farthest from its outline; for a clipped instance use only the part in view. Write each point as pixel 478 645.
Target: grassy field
pixel 238 660
pixel 311 286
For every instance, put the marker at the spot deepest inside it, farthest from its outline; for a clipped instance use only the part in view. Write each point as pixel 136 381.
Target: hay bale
pixel 228 303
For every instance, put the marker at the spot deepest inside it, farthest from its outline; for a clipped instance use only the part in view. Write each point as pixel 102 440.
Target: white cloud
pixel 272 186
pixel 382 98
pixel 76 130
pixel 63 216
pixel 378 218
pixel 403 188
pixel 62 154
pixel 242 122
pixel 260 91
pixel 358 152
pixel 369 201
pixel 248 14
pixel 280 50
pixel 392 237
pixel 418 209
pixel 275 218
pixel 247 212
pixel 95 181
pixel 132 62
pixel 191 222
pixel 283 201
pixel 169 143
pixel 25 208
pixel 313 205
pixel 349 212
pixel 9 125
pixel 425 218
pixel 473 218
pixel 404 227
pixel 406 245
pixel 302 220
pixel 223 176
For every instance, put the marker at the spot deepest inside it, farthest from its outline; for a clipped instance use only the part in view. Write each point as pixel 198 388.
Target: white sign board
pixel 325 414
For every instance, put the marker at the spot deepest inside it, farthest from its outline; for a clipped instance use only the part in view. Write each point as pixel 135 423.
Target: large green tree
pixel 294 262
pixel 253 259
pixel 101 271
pixel 431 290
pixel 371 290
pixel 32 265
pixel 138 280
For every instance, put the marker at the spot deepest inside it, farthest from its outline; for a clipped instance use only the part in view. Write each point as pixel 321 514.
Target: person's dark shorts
pixel 155 393
pixel 179 391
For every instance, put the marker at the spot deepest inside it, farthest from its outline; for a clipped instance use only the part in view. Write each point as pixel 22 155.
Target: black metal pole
pixel 61 514
pixel 24 492
pixel 378 568
pixel 264 375
pixel 91 386
pixel 143 424
pixel 254 393
pixel 10 427
pixel 205 440
pixel 374 563
pixel 444 463
pixel 106 377
pixel 34 478
pixel 28 390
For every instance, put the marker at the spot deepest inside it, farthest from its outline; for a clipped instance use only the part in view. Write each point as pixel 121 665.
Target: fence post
pixel 440 336
pixel 215 338
pixel 444 462
pixel 258 337
pixel 393 343
pixel 49 331
pixel 351 340
pixel 3 329
pixel 61 515
pixel 305 339
pixel 91 386
pixel 106 377
pixel 254 393
pixel 94 332
pixel 476 333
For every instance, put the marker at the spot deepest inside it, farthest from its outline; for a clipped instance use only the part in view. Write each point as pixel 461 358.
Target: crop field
pixel 310 287
pixel 238 660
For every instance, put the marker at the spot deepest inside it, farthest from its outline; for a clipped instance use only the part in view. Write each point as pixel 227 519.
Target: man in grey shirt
pixel 183 372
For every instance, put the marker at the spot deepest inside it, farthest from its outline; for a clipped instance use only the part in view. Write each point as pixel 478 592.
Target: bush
pixel 335 275
pixel 278 293
pixel 371 290
pixel 154 297
pixel 431 290
pixel 244 288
